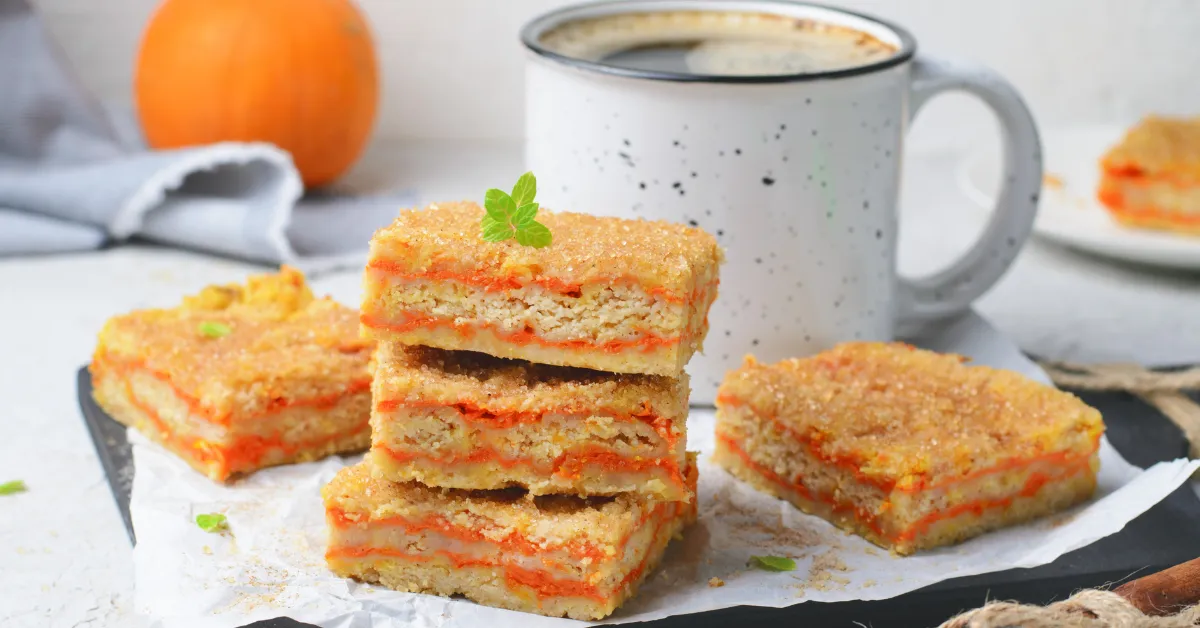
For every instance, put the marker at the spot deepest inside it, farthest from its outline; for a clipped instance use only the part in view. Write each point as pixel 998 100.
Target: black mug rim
pixel 534 28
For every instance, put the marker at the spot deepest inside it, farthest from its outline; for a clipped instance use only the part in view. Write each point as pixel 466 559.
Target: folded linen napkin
pixel 71 180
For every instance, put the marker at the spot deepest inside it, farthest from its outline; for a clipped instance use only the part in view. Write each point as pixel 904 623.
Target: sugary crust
pixel 661 257
pixel 907 418
pixel 1158 146
pixel 436 376
pixel 284 347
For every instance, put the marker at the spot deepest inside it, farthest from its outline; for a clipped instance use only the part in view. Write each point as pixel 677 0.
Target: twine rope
pixel 1090 608
pixel 1164 391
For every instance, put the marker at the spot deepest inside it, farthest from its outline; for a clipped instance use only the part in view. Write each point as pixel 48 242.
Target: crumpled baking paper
pixel 270 563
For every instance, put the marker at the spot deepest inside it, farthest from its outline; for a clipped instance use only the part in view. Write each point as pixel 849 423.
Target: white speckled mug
pixel 796 174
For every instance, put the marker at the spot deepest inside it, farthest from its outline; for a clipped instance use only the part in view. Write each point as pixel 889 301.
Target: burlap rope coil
pixel 1093 608
pixel 1087 609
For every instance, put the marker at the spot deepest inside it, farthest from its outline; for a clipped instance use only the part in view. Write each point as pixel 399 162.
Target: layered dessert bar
pixel 625 296
pixel 460 419
pixel 240 377
pixel 908 448
pixel 554 555
pixel 1151 179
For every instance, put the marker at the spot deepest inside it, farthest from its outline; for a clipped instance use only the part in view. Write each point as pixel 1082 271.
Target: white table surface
pixel 64 556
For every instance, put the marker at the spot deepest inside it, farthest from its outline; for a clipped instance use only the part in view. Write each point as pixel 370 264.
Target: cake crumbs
pixel 867 584
pixel 715 582
pixel 821 574
pixel 207 550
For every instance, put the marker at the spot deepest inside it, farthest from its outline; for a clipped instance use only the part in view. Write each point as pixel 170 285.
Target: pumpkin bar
pixel 1151 179
pixel 240 377
pixel 553 555
pixel 625 296
pixel 460 419
pixel 908 448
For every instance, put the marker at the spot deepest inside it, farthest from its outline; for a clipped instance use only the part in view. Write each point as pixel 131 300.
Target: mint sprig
pixel 511 216
pixel 773 563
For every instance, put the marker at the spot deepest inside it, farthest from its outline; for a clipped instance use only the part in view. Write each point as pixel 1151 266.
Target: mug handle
pixel 951 290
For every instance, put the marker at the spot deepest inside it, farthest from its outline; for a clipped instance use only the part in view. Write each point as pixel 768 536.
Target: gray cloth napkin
pixel 71 180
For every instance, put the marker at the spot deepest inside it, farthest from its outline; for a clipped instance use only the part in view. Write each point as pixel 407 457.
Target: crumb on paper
pixel 821 574
pixel 207 550
pixel 715 582
pixel 1051 180
pixel 867 584
pixel 871 551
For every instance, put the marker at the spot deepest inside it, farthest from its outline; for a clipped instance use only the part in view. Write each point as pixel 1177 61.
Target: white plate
pixel 1070 214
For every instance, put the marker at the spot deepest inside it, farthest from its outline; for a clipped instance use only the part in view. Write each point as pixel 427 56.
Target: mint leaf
pixel 524 215
pixel 493 230
pixel 215 330
pixel 212 522
pixel 499 205
pixel 525 189
pixel 12 488
pixel 773 563
pixel 534 234
pixel 514 216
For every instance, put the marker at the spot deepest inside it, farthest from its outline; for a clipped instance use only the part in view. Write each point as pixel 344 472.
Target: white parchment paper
pixel 271 563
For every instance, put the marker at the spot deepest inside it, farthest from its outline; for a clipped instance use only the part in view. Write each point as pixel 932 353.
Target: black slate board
pixel 1166 535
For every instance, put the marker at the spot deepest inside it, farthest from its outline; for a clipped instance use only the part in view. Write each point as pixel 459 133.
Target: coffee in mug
pixel 779 128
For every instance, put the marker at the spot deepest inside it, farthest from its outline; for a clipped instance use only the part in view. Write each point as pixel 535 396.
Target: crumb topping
pixel 1158 145
pixel 586 249
pixel 283 345
pixel 429 375
pixel 896 412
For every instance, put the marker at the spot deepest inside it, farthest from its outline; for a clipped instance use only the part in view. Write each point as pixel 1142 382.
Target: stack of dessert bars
pixel 529 407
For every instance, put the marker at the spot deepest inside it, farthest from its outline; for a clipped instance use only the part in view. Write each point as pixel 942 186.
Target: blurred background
pixel 453 68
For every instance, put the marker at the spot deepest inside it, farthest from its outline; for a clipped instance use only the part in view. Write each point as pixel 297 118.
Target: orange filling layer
pixel 1033 484
pixel 410 322
pixel 852 462
pixel 567 465
pixel 542 582
pixel 244 453
pixel 198 409
pixel 1112 195
pixel 495 283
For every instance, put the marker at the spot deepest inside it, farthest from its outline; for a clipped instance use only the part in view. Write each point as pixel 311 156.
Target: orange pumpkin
pixel 300 74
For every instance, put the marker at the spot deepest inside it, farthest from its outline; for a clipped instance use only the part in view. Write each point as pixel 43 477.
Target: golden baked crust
pixel 910 417
pixel 1156 146
pixel 444 239
pixel 908 448
pixel 553 555
pixel 284 346
pixel 280 377
pixel 498 385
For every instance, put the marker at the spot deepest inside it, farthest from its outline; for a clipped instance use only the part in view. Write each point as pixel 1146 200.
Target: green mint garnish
pixel 12 488
pixel 511 216
pixel 773 563
pixel 212 522
pixel 215 330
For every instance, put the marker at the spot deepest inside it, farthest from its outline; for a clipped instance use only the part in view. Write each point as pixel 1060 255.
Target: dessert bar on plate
pixel 238 378
pixel 908 448
pixel 625 296
pixel 461 419
pixel 1151 178
pixel 554 555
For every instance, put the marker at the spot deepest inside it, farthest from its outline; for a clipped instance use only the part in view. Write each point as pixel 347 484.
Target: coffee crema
pixel 716 43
